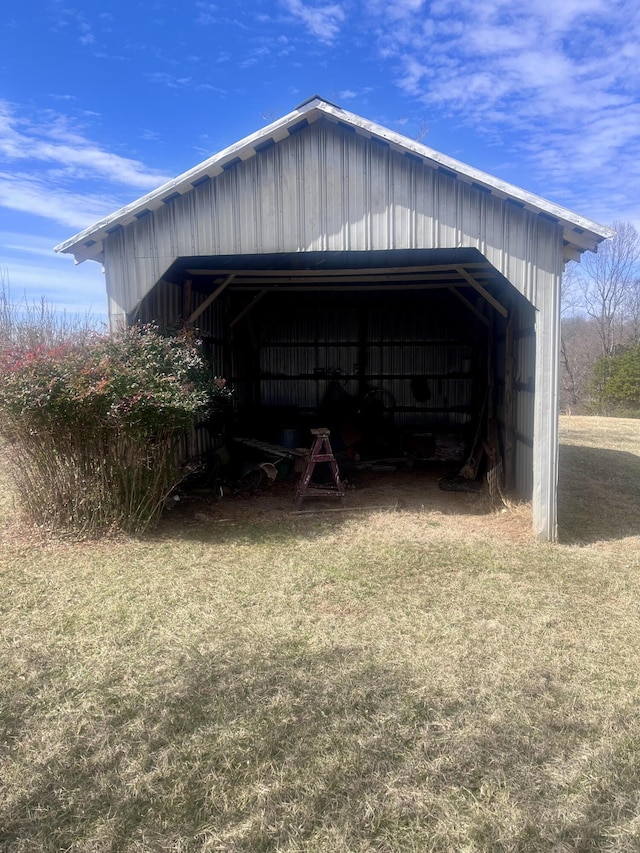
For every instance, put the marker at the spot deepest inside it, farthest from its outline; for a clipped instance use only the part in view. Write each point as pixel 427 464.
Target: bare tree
pixel 608 285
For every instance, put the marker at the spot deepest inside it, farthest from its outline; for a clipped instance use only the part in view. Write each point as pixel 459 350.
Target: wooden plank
pixel 249 307
pixel 344 288
pixel 469 305
pixel 484 293
pixel 294 278
pixel 186 300
pixel 211 298
pixel 475 265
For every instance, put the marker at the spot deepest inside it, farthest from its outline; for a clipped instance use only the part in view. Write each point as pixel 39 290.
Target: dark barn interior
pixel 406 356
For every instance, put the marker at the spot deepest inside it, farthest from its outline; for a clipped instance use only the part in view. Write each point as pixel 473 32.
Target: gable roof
pixel 579 234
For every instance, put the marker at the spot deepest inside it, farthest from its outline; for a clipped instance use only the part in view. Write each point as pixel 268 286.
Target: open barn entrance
pixel 413 359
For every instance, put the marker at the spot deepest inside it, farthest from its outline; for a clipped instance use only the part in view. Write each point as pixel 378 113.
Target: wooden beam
pixel 509 469
pixel 186 299
pixel 340 288
pixel 292 278
pixel 250 306
pixel 469 305
pixel 211 298
pixel 481 290
pixel 476 265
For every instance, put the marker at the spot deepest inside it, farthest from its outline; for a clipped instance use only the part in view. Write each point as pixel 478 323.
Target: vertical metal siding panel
pixel 400 202
pixel 494 230
pixel 334 214
pixel 311 152
pixel 226 205
pixel 425 203
pixel 446 211
pixel 358 193
pixel 470 200
pixel 291 177
pixel 202 208
pixel 245 207
pixel 379 194
pixel 267 200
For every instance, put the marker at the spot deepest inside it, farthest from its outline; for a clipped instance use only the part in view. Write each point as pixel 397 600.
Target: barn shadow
pixel 598 494
pixel 269 515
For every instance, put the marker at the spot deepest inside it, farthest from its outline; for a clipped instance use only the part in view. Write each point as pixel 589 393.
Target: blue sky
pixel 102 103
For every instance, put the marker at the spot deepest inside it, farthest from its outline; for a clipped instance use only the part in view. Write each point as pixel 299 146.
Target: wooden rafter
pixel 482 291
pixel 469 305
pixel 211 298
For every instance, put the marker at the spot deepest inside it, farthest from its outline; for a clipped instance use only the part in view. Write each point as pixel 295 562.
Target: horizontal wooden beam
pixel 341 288
pixel 319 281
pixel 475 265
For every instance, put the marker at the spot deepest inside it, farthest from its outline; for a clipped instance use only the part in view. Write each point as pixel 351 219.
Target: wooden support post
pixel 509 459
pixel 186 301
pixel 363 349
pixel 227 356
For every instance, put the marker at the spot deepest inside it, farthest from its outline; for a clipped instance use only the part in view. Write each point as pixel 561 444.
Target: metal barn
pixel 327 260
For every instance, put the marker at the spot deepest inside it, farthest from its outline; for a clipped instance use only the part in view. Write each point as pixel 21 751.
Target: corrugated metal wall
pixel 315 341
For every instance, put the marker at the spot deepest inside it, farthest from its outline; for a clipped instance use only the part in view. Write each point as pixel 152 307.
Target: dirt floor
pixel 412 491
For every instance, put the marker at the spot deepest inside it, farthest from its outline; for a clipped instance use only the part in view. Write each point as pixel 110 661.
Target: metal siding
pixel 325 188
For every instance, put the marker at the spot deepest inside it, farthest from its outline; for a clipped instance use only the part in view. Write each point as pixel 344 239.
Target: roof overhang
pixel 579 234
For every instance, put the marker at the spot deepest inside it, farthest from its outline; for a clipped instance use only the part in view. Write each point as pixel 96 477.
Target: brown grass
pixel 417 679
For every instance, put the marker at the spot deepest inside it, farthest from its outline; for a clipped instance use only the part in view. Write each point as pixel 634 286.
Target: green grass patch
pixel 403 681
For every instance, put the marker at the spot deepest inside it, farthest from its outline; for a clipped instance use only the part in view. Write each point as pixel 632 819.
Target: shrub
pixel 94 425
pixel 616 382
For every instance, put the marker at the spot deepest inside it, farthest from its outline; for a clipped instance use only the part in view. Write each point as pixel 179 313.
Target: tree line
pixel 600 340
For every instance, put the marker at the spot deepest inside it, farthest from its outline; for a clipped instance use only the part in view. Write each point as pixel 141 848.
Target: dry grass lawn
pixel 422 679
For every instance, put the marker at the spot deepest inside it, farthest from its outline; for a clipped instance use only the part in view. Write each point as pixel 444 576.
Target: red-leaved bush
pixel 93 425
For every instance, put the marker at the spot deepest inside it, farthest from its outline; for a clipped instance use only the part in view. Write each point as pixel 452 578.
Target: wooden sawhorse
pixel 320 452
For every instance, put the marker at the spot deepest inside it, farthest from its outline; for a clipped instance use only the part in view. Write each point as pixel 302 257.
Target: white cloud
pixel 52 142
pixel 321 21
pixel 31 270
pixel 561 79
pixel 29 194
pixel 53 172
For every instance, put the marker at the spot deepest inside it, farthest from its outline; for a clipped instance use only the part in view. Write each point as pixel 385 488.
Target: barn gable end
pixel 358 208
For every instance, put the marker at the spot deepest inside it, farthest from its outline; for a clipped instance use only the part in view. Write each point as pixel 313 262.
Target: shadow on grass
pixel 599 494
pixel 289 748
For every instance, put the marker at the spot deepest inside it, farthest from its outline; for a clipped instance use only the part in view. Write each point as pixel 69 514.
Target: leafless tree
pixel 608 285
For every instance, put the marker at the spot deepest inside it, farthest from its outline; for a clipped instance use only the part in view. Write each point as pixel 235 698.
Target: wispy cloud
pixel 171 81
pixel 322 21
pixel 45 159
pixel 208 13
pixel 55 143
pixel 32 271
pixel 26 193
pixel 562 78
